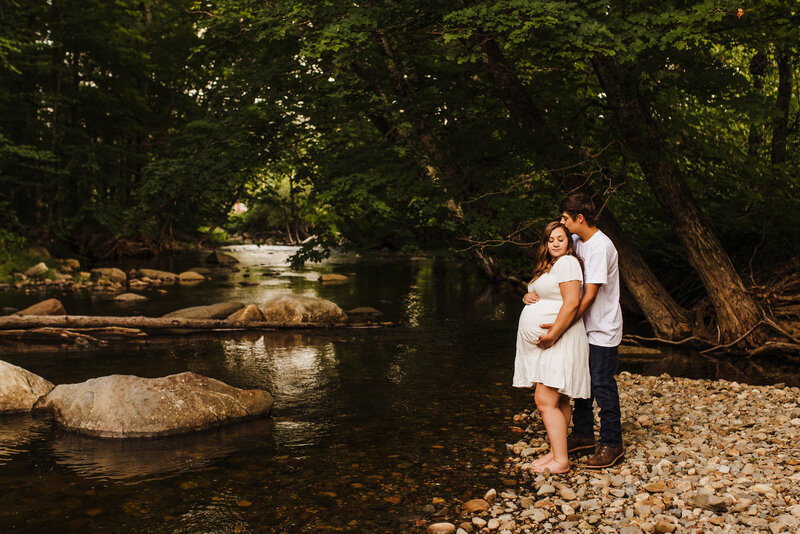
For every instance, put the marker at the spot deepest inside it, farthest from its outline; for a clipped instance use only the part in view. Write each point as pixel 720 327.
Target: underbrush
pixel 16 256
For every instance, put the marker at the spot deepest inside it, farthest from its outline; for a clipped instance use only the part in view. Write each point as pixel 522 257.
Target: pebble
pixel 475 505
pixel 590 504
pixel 441 528
pixel 546 489
pixel 701 456
pixel 656 487
pixel 567 494
pixel 642 510
pixel 664 526
pixel 539 515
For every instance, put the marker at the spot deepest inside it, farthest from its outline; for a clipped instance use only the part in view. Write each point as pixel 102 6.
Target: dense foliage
pixel 404 125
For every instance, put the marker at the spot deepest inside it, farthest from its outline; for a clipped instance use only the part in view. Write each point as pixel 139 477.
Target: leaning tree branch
pixel 735 341
pixel 631 337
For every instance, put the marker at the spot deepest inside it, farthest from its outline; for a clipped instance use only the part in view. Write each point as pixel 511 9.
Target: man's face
pixel 569 222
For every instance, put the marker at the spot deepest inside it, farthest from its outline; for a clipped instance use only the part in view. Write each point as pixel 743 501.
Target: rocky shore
pixel 68 275
pixel 701 456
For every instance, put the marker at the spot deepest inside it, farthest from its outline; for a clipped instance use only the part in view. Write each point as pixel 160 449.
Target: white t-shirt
pixel 603 319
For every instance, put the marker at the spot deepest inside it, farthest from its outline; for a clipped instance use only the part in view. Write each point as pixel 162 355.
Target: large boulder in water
pixel 220 310
pixel 220 258
pixel 112 274
pixel 302 309
pixel 20 389
pixel 45 307
pixel 125 406
pixel 37 270
pixel 70 265
pixel 248 314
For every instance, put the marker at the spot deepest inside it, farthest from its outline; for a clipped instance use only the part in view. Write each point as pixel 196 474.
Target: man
pixel 602 317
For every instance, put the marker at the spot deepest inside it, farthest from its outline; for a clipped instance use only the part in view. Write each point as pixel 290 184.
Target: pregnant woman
pixel 555 361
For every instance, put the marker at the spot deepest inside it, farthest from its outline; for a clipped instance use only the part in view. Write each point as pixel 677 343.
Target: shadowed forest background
pixel 131 127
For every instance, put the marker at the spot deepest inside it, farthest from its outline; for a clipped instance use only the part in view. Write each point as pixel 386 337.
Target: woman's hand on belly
pixel 530 298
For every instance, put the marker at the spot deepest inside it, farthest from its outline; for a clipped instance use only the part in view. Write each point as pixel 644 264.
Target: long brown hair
pixel 543 259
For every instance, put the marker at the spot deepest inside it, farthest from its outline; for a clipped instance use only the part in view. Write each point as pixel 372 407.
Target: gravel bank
pixel 701 456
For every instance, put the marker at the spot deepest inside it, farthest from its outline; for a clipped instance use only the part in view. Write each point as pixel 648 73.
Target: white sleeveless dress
pixel 565 365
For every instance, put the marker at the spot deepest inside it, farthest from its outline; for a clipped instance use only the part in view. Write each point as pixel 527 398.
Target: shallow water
pixel 369 425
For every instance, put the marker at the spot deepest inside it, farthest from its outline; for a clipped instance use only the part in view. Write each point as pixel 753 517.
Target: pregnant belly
pixel 534 315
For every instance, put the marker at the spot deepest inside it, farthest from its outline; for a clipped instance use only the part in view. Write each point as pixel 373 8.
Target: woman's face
pixel 557 243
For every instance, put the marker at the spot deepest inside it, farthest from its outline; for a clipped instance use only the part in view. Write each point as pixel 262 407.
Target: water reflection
pixel 299 369
pixel 757 371
pixel 138 460
pixel 17 431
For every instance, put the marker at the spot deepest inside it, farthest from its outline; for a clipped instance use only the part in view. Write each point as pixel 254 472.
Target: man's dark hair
pixel 580 204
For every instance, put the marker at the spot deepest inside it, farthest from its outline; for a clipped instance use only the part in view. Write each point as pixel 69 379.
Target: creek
pixel 373 430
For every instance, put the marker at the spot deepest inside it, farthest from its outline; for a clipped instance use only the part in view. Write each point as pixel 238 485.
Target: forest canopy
pixel 435 126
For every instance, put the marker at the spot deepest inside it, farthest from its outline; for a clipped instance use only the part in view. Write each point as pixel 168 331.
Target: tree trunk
pixel 508 85
pixel 758 64
pixel 737 311
pixel 781 129
pixel 668 319
pixel 430 144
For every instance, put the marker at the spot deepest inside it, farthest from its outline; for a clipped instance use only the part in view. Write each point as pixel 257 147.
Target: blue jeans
pixel 603 362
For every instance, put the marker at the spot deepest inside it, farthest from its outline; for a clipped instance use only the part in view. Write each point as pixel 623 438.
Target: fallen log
pixel 17 322
pixel 91 335
pixel 47 334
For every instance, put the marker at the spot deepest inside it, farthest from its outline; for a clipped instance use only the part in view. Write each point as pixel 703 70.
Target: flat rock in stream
pixel 20 389
pixel 190 277
pixel 333 277
pixel 126 406
pixel 221 310
pixel 155 274
pixel 130 297
pixel 292 308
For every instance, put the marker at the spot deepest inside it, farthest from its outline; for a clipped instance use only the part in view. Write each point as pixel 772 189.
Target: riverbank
pixel 701 456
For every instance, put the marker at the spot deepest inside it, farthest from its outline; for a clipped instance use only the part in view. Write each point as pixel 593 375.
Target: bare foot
pixel 554 466
pixel 542 460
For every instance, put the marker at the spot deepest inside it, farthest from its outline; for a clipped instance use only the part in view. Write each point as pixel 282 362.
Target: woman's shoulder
pixel 567 267
pixel 566 260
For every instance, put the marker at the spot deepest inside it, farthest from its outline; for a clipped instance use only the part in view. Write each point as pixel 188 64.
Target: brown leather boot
pixel 579 443
pixel 606 456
